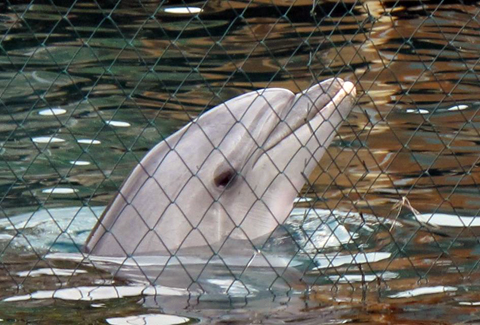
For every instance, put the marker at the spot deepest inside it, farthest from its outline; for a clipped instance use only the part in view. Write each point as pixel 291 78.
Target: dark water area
pixel 386 230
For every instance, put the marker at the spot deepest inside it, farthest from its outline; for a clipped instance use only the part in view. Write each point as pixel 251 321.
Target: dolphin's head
pixel 232 174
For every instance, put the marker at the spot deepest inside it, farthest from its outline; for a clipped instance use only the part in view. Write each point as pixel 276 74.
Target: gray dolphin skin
pixel 230 176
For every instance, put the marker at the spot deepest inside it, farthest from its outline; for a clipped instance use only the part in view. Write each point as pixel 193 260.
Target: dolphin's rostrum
pixel 229 176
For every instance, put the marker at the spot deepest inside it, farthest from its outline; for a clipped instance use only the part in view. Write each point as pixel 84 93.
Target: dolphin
pixel 229 176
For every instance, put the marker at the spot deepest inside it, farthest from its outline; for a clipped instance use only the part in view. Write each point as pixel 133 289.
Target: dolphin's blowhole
pixel 225 178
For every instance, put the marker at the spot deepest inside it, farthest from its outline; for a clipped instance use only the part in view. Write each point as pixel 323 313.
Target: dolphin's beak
pixel 327 102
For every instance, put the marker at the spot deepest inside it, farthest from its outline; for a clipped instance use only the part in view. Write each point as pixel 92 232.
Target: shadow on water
pixel 87 89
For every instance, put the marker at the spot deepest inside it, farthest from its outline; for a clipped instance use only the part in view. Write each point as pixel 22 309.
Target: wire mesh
pixel 88 88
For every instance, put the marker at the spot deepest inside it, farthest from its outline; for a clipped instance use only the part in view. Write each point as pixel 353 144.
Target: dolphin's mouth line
pixel 313 113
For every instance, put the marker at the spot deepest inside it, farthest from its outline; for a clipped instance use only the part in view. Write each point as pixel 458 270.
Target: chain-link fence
pixel 202 151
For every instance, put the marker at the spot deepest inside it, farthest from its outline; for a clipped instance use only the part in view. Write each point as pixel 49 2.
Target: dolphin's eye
pixel 225 178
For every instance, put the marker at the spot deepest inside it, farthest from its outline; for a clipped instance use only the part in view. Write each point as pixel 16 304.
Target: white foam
pixel 44 229
pixel 323 228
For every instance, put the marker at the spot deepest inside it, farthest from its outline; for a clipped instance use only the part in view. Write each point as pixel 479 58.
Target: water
pixel 86 89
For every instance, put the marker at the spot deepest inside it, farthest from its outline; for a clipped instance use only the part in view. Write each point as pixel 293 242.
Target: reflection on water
pixel 87 88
